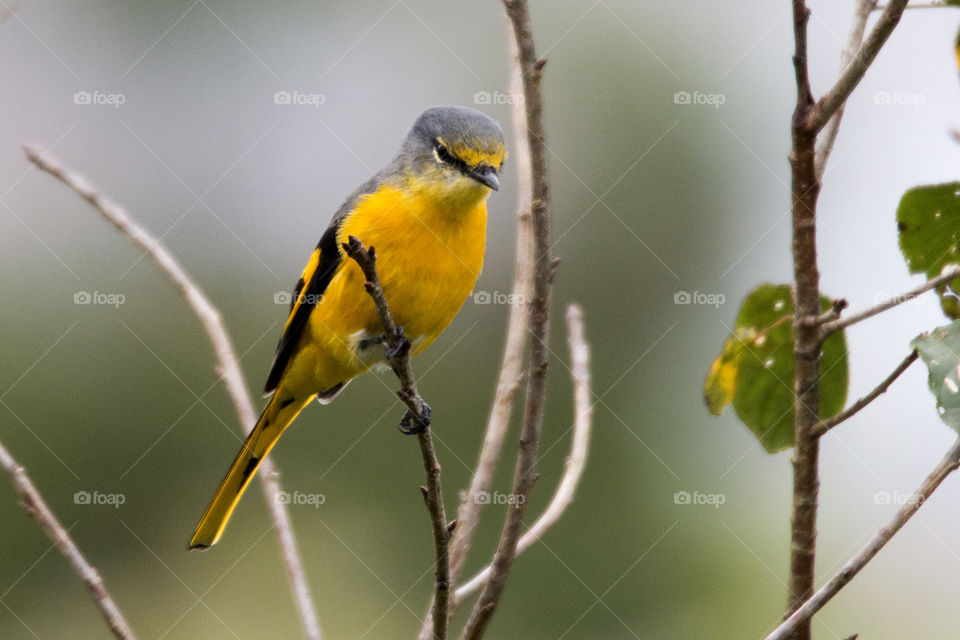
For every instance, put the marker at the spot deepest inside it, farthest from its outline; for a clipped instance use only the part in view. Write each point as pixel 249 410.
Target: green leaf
pixel 928 220
pixel 758 358
pixel 940 351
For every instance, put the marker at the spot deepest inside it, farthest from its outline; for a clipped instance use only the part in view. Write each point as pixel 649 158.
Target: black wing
pixel 313 282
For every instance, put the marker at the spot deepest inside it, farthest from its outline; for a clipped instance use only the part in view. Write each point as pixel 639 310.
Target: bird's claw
pixel 402 343
pixel 401 347
pixel 412 424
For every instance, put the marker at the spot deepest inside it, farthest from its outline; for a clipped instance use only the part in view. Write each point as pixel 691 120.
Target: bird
pixel 425 214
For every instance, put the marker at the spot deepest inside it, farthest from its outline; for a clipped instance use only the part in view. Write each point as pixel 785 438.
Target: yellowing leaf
pixel 758 368
pixel 721 383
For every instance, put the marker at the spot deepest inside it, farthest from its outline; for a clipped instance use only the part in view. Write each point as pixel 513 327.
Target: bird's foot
pixel 401 346
pixel 412 423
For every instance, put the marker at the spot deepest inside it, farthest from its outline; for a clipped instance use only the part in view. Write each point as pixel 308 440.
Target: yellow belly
pixel 428 260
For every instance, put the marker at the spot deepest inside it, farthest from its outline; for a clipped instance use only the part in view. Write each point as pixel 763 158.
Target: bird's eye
pixel 443 153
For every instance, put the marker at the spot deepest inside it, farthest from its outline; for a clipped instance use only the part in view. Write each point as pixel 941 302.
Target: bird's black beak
pixel 486 175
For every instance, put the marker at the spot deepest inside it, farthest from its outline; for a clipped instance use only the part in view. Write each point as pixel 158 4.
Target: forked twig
pixel 525 472
pixel 576 461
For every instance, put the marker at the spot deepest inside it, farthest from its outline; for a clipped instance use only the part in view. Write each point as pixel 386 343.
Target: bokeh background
pixel 651 198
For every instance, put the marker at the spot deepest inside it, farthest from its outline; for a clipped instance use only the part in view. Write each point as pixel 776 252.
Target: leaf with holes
pixel 928 220
pixel 940 351
pixel 757 368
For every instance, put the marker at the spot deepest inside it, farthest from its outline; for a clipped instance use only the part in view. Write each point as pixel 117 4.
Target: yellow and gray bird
pixel 425 214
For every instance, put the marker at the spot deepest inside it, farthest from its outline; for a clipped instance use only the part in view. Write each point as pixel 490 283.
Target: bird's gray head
pixel 457 148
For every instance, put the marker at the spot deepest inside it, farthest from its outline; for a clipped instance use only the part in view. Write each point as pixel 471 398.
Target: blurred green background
pixel 651 198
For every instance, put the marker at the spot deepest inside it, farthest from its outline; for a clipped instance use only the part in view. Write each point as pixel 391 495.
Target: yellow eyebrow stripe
pixel 474 157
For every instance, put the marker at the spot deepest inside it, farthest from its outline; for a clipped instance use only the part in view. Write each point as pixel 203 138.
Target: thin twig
pixel 829 135
pixel 919 5
pixel 576 461
pixel 525 474
pixel 825 425
pixel 851 76
pixel 949 273
pixel 511 367
pixel 228 364
pixel 944 468
pixel 416 421
pixel 35 505
pixel 396 346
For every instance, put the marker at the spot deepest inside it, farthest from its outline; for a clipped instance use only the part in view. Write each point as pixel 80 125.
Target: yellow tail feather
pixel 276 417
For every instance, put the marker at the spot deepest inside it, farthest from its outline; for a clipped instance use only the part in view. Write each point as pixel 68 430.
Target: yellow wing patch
pixel 300 290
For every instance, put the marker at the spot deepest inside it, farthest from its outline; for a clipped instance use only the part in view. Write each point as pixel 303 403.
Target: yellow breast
pixel 428 260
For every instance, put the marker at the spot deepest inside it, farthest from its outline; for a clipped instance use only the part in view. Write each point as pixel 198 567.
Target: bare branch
pixel 35 505
pixel 829 135
pixel 576 461
pixel 416 420
pixel 525 473
pixel 919 5
pixel 228 364
pixel 395 344
pixel 511 367
pixel 949 273
pixel 807 121
pixel 850 77
pixel 805 190
pixel 825 425
pixel 806 611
